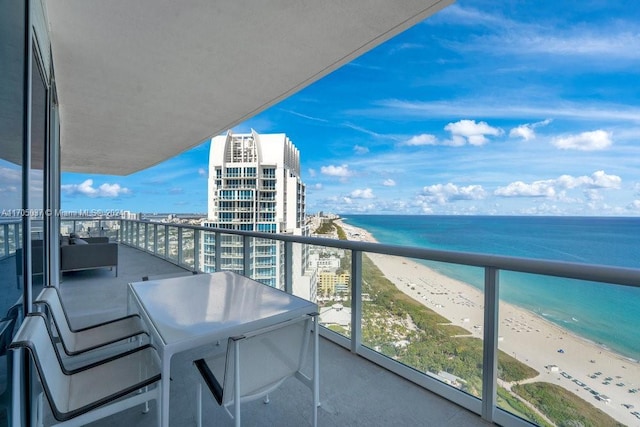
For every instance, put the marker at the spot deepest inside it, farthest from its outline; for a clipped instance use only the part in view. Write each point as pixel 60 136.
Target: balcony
pixel 353 390
pixel 355 319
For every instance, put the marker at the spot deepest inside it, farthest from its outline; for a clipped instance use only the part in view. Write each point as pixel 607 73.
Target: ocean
pixel 602 313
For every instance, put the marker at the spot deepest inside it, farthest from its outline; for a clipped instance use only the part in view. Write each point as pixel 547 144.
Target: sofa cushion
pixel 80 242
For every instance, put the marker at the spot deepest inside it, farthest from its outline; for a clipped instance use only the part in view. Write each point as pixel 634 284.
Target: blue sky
pixel 513 108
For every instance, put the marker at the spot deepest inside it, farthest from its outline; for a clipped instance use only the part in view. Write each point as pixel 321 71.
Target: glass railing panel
pixel 304 270
pixel 66 227
pixel 172 250
pixel 161 249
pixel 142 235
pixel 151 236
pixel 4 240
pixel 15 237
pixel 231 253
pixel 85 227
pixel 110 229
pixel 426 316
pixel 575 342
pixel 197 249
pixel 333 288
pixel 207 262
pixel 125 233
pixel 188 247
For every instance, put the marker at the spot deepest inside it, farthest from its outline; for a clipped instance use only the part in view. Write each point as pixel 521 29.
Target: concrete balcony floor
pixel 353 391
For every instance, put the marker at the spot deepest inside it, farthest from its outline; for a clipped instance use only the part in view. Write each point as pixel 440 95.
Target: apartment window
pixel 233 172
pixel 246 194
pixel 227 194
pixel 268 172
pixel 267 228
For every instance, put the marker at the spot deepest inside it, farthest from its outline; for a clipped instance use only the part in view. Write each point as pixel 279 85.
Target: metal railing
pixel 181 244
pixel 10 237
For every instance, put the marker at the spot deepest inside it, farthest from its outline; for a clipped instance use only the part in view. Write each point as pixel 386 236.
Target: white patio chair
pixel 78 341
pixel 257 363
pixel 8 326
pixel 94 392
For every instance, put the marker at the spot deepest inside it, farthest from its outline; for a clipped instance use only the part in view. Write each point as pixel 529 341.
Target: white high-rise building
pixel 255 185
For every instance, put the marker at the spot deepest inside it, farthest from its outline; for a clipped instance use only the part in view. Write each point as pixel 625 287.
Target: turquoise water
pixel 602 313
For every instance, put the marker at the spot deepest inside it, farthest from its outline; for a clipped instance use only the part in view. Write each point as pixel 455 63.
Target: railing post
pixel 180 246
pixel 218 251
pixel 288 267
pixel 490 347
pixel 16 236
pixel 5 232
pixel 166 242
pixel 246 252
pixel 155 239
pixel 356 300
pixel 146 236
pixel 196 249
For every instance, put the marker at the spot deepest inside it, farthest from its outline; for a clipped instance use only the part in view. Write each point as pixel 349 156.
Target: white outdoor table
pixel 190 312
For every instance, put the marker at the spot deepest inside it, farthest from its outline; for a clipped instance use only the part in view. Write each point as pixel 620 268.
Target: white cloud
pixel 367 193
pixel 389 183
pixel 468 131
pixel 491 107
pixel 526 131
pixel 611 40
pixel 202 172
pixel 9 176
pixel 441 194
pixel 585 141
pixel 86 188
pixel 521 189
pixel 317 186
pixel 422 139
pixel 593 195
pixel 312 172
pixel 635 205
pixel 360 150
pixel 331 170
pixel 600 179
pixel 553 188
pixel 523 131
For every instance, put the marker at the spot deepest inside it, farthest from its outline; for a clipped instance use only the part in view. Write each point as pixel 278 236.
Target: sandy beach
pixel 583 367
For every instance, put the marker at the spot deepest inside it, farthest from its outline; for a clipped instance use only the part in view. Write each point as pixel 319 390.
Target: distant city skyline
pixel 485 108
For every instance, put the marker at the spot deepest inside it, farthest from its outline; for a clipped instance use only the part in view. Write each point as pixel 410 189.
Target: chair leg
pixel 145 408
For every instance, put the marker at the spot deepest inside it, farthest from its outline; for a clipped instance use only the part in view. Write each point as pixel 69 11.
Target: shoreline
pixel 523 334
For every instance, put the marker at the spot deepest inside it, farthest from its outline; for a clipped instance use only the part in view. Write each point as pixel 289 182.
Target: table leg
pixel 165 391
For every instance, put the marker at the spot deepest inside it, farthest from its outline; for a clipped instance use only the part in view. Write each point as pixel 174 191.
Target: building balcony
pixel 470 365
pixel 353 390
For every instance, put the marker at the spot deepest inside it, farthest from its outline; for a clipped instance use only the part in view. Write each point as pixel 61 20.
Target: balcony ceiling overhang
pixel 141 81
